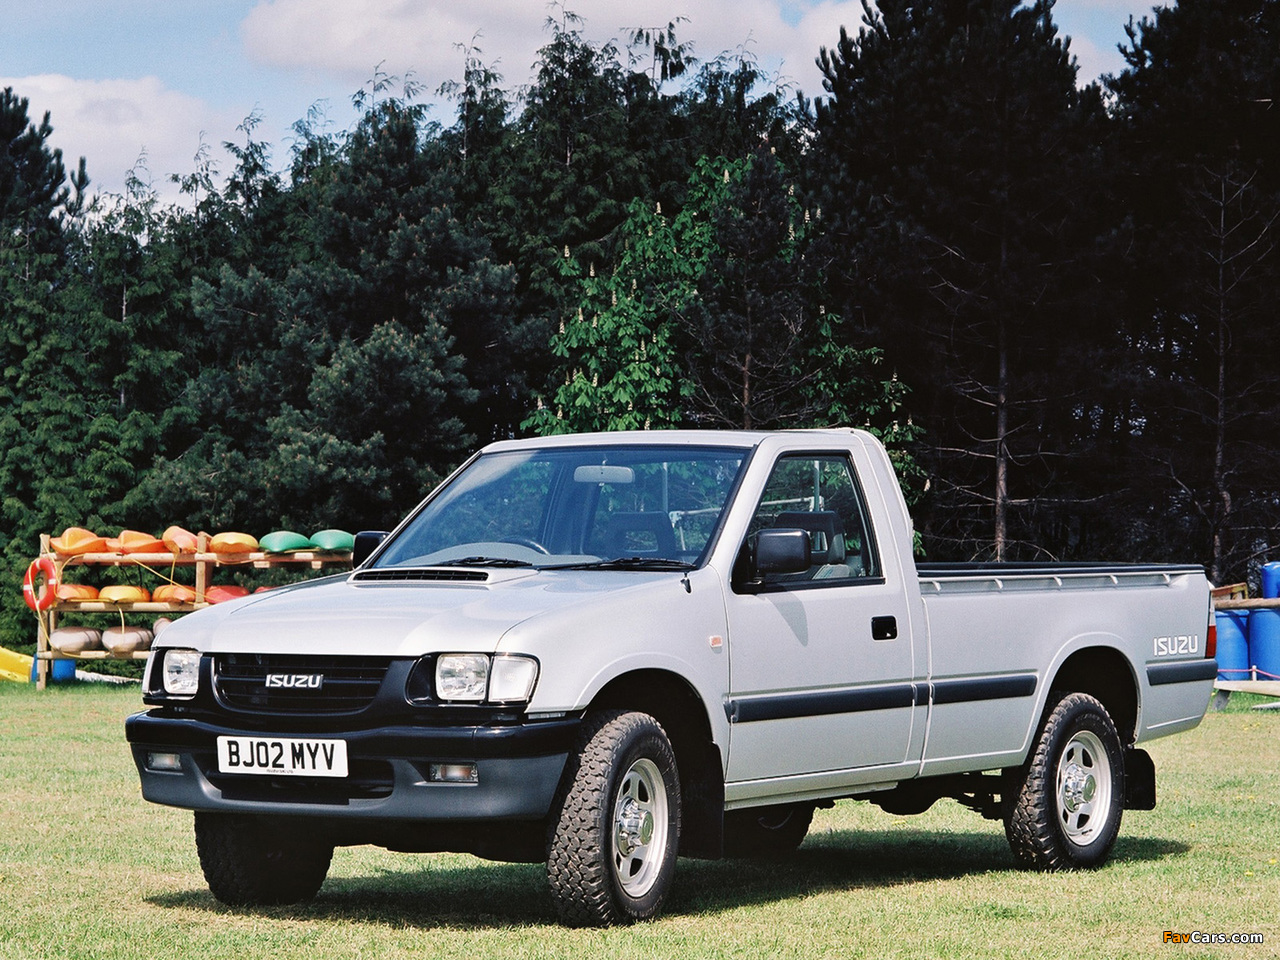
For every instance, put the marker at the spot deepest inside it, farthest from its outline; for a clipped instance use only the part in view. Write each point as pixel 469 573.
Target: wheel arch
pixel 1105 674
pixel 673 702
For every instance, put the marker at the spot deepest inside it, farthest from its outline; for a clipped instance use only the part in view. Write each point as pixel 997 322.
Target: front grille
pixel 346 684
pixel 436 574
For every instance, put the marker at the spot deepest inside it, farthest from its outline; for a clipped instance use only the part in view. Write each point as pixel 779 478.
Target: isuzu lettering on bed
pixel 605 651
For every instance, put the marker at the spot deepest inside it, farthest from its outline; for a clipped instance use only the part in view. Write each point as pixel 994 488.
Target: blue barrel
pixel 60 670
pixel 1233 644
pixel 1271 579
pixel 1264 643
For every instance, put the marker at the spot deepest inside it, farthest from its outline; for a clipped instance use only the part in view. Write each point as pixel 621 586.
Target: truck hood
pixel 402 618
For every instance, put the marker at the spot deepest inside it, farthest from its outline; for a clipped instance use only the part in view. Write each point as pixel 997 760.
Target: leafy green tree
pixel 618 351
pixel 712 316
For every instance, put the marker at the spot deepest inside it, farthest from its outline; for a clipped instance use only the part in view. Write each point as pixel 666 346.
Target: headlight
pixel 475 678
pixel 462 676
pixel 180 672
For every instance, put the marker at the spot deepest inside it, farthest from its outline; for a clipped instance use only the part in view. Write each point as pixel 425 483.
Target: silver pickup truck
pixel 605 651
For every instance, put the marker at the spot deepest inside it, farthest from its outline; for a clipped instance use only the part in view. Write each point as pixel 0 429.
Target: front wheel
pixel 616 824
pixel 1067 800
pixel 254 861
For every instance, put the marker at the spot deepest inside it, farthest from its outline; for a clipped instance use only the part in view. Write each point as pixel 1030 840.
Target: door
pixel 821 664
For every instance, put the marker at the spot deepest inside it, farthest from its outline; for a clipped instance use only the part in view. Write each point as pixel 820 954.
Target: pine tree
pixel 956 185
pixel 1201 132
pixel 41 423
pixel 335 387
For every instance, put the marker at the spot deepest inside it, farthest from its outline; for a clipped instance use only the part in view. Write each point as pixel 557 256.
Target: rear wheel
pixel 1065 808
pixel 773 831
pixel 257 861
pixel 616 828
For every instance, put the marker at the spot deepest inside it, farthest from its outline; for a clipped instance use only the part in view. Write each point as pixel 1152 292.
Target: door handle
pixel 884 628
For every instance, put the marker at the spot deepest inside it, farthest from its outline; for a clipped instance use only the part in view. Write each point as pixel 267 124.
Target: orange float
pixel 178 540
pixel 42 598
pixel 76 541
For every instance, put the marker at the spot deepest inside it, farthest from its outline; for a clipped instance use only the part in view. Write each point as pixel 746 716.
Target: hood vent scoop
pixel 419 575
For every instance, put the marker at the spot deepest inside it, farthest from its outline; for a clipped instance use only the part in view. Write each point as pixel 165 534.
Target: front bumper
pixel 518 770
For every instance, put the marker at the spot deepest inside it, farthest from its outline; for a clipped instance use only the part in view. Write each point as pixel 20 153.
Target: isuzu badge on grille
pixel 295 681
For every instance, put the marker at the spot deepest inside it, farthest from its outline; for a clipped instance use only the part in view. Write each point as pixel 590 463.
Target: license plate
pixel 281 757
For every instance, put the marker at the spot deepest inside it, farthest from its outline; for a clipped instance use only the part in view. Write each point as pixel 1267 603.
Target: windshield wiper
pixel 625 563
pixel 483 562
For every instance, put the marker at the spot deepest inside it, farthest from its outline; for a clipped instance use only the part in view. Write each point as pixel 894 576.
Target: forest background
pixel 1056 304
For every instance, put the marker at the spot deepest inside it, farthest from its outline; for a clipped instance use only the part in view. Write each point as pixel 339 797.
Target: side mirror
pixel 783 551
pixel 367 541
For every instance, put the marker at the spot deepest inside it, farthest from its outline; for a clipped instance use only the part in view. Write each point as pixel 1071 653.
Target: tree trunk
pixel 1222 495
pixel 1001 532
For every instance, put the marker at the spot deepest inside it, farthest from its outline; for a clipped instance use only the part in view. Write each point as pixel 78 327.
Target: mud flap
pixel 1139 780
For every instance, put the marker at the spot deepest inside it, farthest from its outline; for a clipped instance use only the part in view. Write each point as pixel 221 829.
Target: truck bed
pixel 1009 628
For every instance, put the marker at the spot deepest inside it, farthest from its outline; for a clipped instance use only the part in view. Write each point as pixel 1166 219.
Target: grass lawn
pixel 90 870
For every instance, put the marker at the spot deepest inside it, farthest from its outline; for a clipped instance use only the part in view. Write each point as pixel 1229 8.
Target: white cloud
pixel 347 39
pixel 818 28
pixel 114 122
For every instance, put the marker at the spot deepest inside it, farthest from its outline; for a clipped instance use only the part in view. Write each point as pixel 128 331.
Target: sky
pixel 149 84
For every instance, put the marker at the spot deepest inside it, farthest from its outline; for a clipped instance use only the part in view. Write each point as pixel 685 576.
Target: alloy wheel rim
pixel 640 828
pixel 1083 791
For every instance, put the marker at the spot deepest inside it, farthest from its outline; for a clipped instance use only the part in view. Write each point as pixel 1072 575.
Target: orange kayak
pixel 77 591
pixel 233 543
pixel 174 593
pixel 77 540
pixel 134 541
pixel 178 540
pixel 124 593
pixel 224 592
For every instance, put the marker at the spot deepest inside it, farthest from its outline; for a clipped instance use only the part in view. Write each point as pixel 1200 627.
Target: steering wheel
pixel 527 542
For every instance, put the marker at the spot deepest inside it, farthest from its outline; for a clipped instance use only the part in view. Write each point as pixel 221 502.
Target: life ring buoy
pixel 42 599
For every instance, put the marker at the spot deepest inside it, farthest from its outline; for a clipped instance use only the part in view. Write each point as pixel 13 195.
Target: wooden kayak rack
pixel 161 566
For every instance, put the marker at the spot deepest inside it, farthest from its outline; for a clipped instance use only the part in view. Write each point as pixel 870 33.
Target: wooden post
pixel 202 566
pixel 43 665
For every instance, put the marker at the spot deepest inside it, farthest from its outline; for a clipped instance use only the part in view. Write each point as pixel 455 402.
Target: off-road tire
pixel 766 832
pixel 615 825
pixel 1064 808
pixel 257 861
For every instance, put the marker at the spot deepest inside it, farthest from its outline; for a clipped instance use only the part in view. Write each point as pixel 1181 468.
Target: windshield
pixel 625 506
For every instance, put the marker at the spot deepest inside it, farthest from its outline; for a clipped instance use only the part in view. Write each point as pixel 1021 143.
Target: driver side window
pixel 818 493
